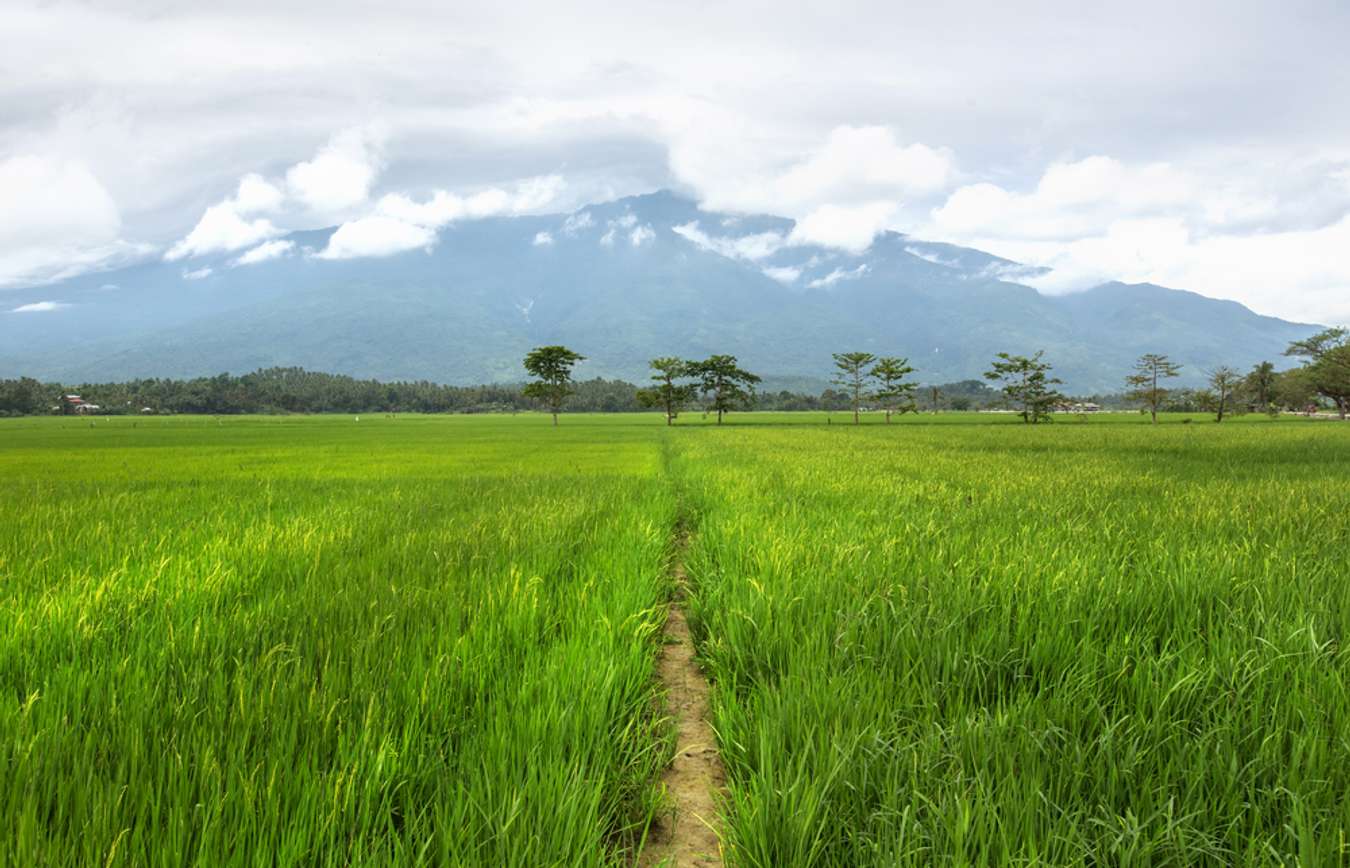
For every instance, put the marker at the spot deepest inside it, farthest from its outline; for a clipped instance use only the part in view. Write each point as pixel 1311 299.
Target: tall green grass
pixel 950 640
pixel 1069 644
pixel 322 642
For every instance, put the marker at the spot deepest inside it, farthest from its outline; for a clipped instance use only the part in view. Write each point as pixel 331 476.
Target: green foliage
pixel 1096 644
pixel 725 387
pixel 551 368
pixel 308 641
pixel 853 373
pixel 1027 385
pixel 1328 366
pixel 1224 384
pixel 1144 384
pixel 894 392
pixel 1259 386
pixel 668 394
pixel 418 640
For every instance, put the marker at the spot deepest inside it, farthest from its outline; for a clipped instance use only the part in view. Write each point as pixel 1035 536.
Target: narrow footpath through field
pixel 688 835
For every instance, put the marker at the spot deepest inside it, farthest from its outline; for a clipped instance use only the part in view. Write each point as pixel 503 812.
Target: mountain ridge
pixel 620 282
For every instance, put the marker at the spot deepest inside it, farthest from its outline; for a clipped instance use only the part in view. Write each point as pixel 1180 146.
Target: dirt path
pixel 687 836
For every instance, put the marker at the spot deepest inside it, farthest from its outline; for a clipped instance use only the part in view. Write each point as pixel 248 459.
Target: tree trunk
pixel 855 415
pixel 719 416
pixel 555 420
pixel 888 417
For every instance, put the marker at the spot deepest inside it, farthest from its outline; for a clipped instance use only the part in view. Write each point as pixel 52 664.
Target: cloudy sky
pixel 1202 145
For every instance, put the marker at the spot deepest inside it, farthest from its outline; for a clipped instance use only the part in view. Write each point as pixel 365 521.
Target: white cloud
pixel 607 240
pixel 839 274
pixel 850 228
pixel 753 248
pixel 1219 230
pixel 784 273
pixel 378 235
pixel 196 273
pixel 577 222
pixel 865 162
pixel 640 235
pixel 444 207
pixel 543 239
pixel 266 251
pixel 56 219
pixel 221 230
pixel 40 307
pixel 340 175
pixel 257 195
pixel 842 192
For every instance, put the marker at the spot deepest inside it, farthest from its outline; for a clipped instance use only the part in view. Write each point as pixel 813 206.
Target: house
pixel 71 404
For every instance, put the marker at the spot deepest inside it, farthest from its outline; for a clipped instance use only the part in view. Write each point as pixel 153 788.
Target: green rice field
pixel 951 640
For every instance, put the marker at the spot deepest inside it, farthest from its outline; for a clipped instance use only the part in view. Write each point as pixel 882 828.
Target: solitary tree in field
pixel 724 386
pixel 1027 385
pixel 853 374
pixel 1328 365
pixel 1223 383
pixel 551 368
pixel 1143 383
pixel 935 396
pixel 894 392
pixel 1260 385
pixel 667 394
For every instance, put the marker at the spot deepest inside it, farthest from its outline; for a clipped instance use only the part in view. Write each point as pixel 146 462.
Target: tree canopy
pixel 551 368
pixel 1027 385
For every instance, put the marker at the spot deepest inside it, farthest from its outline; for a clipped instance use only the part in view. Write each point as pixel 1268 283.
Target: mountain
pixel 620 282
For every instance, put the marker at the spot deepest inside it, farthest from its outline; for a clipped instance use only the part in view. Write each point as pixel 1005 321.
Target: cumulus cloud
pixel 1215 230
pixel 838 275
pixel 340 175
pixel 266 251
pixel 444 207
pixel 543 239
pixel 641 235
pixel 850 228
pixel 400 223
pixel 222 229
pixel 577 222
pixel 607 240
pixel 842 192
pixel 196 273
pixel 56 219
pixel 378 235
pixel 40 307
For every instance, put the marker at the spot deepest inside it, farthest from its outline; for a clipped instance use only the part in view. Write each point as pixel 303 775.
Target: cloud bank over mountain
pixel 1102 143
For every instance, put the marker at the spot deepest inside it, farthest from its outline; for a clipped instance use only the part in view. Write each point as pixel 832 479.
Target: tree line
pixel 719 385
pixel 1027 383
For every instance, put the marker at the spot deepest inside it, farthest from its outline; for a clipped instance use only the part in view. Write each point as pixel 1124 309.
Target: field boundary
pixel 687 834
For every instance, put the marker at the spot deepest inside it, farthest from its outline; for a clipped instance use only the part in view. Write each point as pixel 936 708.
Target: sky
pixel 1200 145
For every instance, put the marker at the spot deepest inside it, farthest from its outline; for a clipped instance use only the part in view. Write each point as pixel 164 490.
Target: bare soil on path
pixel 687 836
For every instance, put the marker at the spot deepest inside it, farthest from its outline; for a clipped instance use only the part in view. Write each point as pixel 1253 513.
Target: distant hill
pixel 620 282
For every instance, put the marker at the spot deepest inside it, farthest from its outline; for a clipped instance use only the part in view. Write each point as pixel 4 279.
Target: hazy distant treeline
pixel 295 390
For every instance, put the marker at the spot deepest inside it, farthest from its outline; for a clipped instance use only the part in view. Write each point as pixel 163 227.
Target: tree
pixel 1026 384
pixel 1224 383
pixel 1143 383
pixel 1260 384
pixel 935 396
pixel 894 392
pixel 724 386
pixel 853 374
pixel 1328 365
pixel 667 394
pixel 552 369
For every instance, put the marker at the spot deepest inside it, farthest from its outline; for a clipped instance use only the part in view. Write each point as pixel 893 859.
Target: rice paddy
pixel 433 640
